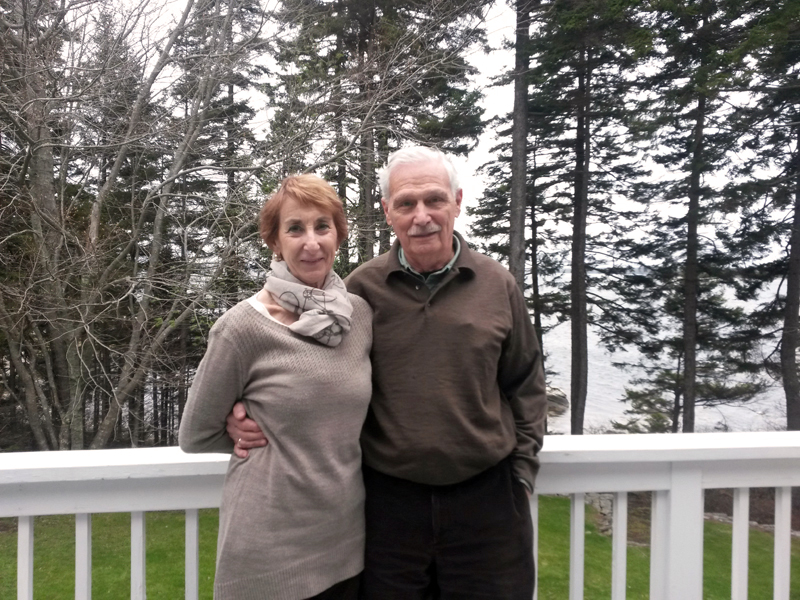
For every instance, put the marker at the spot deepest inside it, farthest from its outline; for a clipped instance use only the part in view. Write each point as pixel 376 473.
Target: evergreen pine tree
pixel 694 70
pixel 362 79
pixel 765 188
pixel 580 154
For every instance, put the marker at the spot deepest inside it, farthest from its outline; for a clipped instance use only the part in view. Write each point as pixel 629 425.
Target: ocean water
pixel 607 388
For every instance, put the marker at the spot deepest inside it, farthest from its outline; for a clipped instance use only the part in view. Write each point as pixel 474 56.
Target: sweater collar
pixel 463 261
pixel 434 277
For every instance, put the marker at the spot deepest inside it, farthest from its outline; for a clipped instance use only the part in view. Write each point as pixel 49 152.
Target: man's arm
pixel 521 379
pixel 244 431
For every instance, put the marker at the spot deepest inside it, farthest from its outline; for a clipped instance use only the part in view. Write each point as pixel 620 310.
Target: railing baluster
pixel 138 557
pixel 619 549
pixel 83 556
pixel 534 504
pixel 576 546
pixel 659 532
pixel 192 575
pixel 741 543
pixel 783 541
pixel 25 558
pixel 685 539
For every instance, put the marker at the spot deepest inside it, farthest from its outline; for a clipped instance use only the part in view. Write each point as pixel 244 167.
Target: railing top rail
pixel 134 463
pixel 90 465
pixel 683 447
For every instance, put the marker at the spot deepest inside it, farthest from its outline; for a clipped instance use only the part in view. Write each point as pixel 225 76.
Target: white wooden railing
pixel 677 468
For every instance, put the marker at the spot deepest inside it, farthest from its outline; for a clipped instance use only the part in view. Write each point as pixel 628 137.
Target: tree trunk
pixel 677 394
pixel 157 434
pixel 519 146
pixel 384 231
pixel 341 170
pixel 136 419
pixel 691 283
pixel 230 147
pixel 791 316
pixel 45 220
pixel 536 293
pixel 368 221
pixel 578 311
pixel 28 389
pixel 366 229
pixel 80 362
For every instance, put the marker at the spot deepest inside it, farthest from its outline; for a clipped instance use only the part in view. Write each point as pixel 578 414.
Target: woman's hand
pixel 244 432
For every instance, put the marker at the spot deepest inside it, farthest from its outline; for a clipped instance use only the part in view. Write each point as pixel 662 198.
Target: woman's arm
pixel 217 385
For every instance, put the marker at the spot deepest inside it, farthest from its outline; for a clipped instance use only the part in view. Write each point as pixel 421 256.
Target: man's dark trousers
pixel 470 540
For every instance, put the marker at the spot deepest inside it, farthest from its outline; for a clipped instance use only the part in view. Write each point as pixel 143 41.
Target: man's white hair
pixel 415 155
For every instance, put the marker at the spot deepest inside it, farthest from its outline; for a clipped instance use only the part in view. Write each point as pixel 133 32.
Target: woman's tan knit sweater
pixel 291 520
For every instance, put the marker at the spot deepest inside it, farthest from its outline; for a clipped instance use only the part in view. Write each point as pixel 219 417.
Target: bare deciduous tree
pixel 131 178
pixel 93 163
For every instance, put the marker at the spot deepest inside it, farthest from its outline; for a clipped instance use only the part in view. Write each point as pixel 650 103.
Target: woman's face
pixel 306 241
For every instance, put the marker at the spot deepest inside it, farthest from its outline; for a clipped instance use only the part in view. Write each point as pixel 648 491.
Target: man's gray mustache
pixel 426 230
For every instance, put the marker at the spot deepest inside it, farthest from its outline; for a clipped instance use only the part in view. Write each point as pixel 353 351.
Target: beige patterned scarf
pixel 324 313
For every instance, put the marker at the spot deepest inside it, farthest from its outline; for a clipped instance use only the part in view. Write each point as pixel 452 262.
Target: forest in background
pixel 646 184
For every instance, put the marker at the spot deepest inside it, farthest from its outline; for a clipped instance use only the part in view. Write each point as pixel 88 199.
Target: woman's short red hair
pixel 306 190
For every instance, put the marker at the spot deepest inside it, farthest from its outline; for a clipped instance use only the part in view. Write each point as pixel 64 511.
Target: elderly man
pixel 458 404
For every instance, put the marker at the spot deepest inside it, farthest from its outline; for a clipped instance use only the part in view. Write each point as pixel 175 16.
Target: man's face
pixel 422 211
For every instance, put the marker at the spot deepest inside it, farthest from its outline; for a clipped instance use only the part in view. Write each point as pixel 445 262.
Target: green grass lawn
pixel 554 560
pixel 554 557
pixel 54 558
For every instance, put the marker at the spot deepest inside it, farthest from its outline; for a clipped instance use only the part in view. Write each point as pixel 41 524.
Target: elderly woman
pixel 297 353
